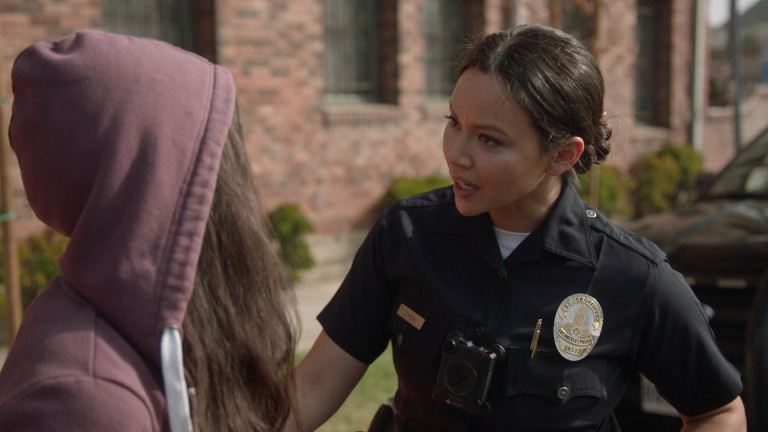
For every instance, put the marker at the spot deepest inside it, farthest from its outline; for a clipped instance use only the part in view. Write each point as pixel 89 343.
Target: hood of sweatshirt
pixel 118 140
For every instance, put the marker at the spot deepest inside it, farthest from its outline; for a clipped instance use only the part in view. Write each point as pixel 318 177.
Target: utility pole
pixel 699 65
pixel 735 43
pixel 7 215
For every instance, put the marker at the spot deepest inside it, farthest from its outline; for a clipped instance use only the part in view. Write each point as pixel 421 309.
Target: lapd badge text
pixel 578 322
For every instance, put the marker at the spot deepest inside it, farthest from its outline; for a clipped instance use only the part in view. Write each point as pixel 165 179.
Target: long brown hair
pixel 239 331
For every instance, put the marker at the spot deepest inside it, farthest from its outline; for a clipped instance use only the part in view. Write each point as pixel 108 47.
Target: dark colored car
pixel 720 244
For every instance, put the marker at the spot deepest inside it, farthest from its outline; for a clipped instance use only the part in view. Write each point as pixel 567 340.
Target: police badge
pixel 578 322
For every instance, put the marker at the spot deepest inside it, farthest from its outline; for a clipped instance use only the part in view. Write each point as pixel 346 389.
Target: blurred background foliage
pixel 408 186
pixel 664 179
pixel 39 254
pixel 612 190
pixel 290 225
pixel 657 182
pixel 38 264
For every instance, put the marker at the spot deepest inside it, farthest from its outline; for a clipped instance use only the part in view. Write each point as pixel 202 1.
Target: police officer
pixel 510 303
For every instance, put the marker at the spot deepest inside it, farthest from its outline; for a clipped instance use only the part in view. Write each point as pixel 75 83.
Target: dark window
pixel 645 70
pixel 579 18
pixel 351 50
pixel 444 34
pixel 169 20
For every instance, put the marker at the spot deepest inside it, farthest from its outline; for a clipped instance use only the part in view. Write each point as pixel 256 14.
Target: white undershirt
pixel 508 240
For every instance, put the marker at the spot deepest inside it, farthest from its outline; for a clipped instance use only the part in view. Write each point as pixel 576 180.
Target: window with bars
pixel 444 34
pixel 167 20
pixel 645 69
pixel 351 50
pixel 579 18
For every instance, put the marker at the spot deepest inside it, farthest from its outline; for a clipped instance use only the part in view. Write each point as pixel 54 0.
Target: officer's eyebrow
pixel 490 127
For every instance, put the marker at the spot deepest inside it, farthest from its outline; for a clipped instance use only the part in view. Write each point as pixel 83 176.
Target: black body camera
pixel 465 374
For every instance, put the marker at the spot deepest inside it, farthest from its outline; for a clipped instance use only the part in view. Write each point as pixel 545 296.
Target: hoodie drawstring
pixel 176 393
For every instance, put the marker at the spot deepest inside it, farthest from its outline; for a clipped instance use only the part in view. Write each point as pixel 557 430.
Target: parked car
pixel 719 242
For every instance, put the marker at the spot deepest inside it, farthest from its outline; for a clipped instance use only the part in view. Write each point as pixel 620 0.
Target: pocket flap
pixel 413 330
pixel 553 377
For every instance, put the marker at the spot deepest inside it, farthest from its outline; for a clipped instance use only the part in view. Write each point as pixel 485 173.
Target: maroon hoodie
pixel 118 140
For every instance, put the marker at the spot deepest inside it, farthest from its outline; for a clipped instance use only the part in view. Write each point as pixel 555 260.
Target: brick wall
pixel 21 23
pixel 616 53
pixel 336 161
pixel 718 134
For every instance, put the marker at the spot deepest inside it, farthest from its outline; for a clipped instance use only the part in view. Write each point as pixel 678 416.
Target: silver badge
pixel 578 323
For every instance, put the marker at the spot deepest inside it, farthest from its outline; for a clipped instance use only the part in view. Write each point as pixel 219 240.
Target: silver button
pixel 562 392
pixel 591 214
pixel 399 339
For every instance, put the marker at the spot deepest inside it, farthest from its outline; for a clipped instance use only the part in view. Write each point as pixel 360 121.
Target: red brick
pixel 337 161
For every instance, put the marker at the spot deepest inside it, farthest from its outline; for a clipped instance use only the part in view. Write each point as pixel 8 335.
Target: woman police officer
pixel 509 302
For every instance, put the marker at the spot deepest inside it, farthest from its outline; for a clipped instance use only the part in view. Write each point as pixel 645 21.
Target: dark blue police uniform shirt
pixel 448 271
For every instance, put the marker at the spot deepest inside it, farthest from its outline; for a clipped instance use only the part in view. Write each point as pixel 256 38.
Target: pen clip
pixel 535 339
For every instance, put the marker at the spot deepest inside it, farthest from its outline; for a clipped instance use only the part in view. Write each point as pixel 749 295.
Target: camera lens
pixel 460 377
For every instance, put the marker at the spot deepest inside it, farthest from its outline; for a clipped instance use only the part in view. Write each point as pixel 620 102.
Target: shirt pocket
pixel 416 333
pixel 550 376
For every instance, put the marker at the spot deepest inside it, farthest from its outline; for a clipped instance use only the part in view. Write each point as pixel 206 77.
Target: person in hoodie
pixel 171 310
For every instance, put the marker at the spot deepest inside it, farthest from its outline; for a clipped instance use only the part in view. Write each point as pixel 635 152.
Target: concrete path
pixel 333 256
pixel 310 300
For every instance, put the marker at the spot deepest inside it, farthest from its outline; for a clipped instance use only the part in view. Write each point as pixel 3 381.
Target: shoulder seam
pixel 616 235
pixel 433 198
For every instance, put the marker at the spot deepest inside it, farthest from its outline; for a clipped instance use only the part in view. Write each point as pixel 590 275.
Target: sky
pixel 720 10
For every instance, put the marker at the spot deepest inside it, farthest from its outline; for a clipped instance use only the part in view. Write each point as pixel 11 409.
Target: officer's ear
pixel 566 156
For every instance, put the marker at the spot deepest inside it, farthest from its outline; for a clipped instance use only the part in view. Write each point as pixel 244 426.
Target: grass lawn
pixel 378 384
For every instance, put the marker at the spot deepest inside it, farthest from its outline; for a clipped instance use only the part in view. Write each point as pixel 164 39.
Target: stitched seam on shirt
pixel 621 240
pixel 648 295
pixel 432 198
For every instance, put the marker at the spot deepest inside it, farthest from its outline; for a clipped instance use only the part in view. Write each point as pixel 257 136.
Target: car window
pixel 746 175
pixel 757 180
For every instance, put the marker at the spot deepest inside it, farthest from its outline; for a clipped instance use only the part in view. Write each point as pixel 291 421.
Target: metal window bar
pixel 444 33
pixel 167 20
pixel 351 54
pixel 644 76
pixel 579 18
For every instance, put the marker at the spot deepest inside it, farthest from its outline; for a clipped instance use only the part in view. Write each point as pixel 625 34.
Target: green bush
pixel 612 190
pixel 289 225
pixel 689 162
pixel 408 186
pixel 664 178
pixel 38 264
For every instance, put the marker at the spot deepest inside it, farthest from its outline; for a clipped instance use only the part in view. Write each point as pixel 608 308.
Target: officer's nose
pixel 456 150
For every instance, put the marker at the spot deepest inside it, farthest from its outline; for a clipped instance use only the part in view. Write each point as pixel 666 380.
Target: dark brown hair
pixel 556 79
pixel 239 331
